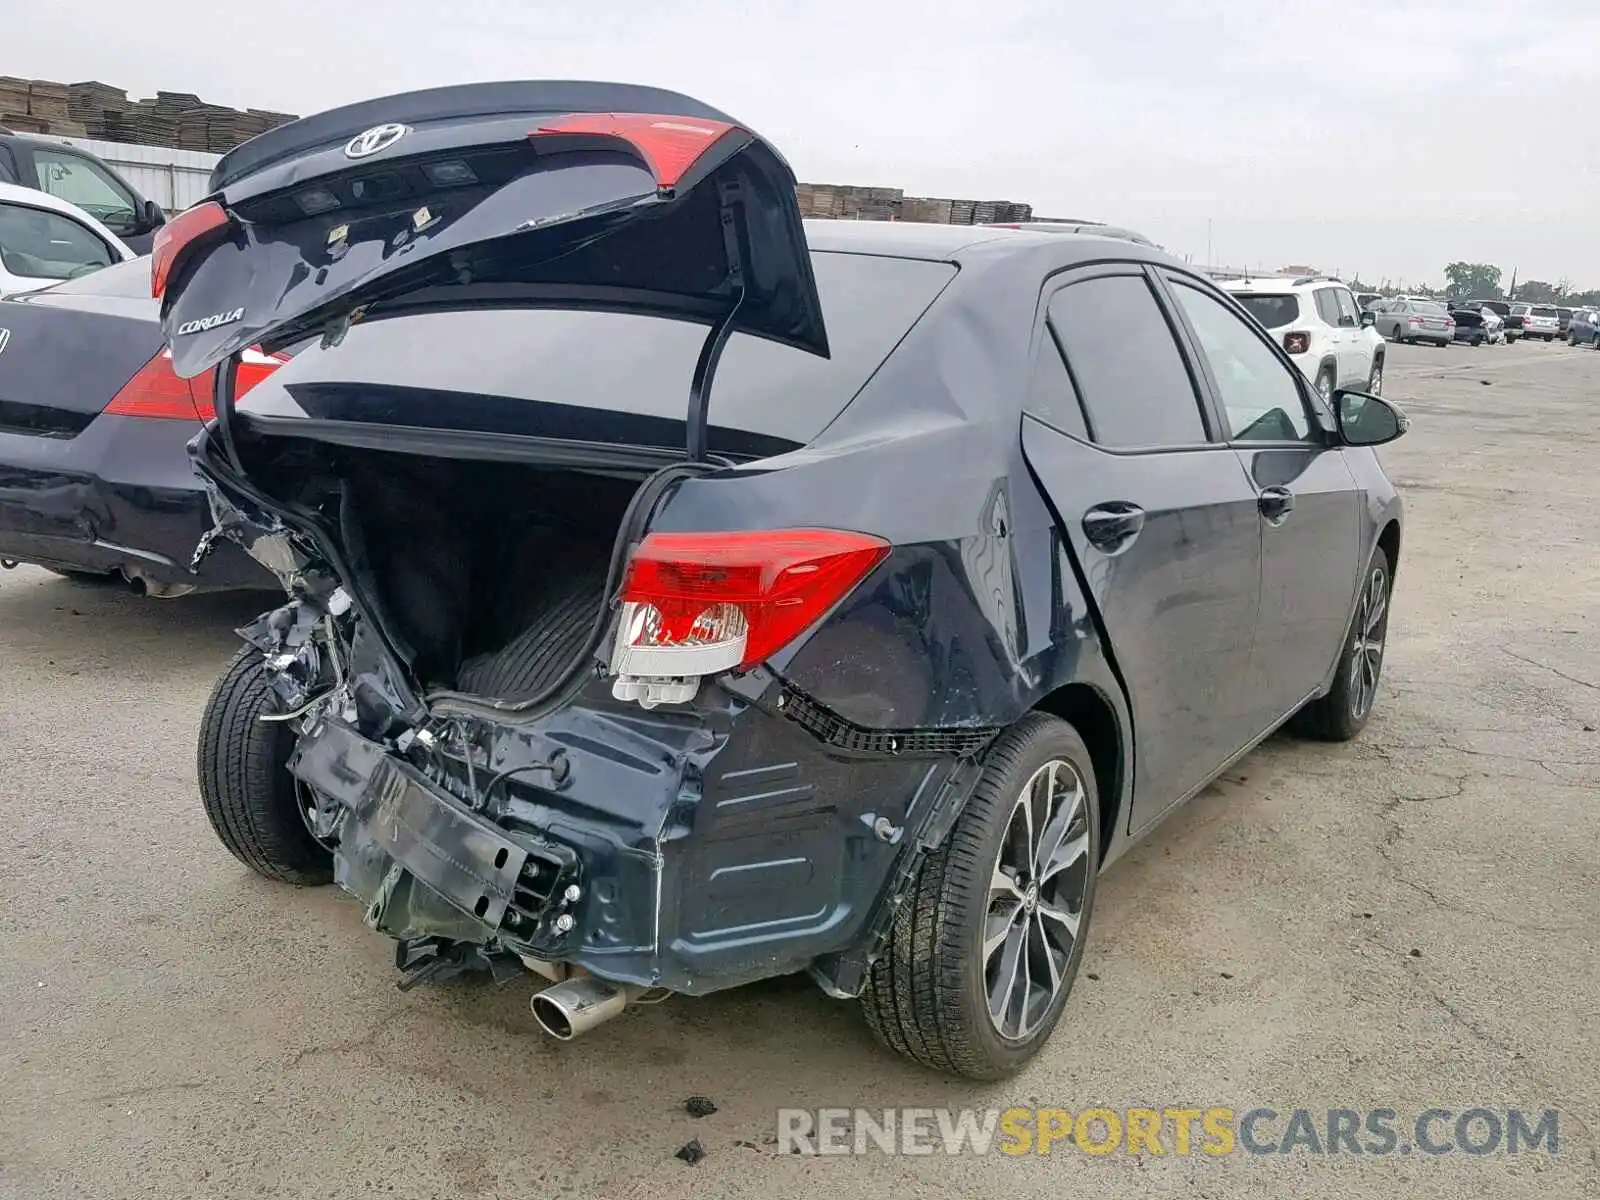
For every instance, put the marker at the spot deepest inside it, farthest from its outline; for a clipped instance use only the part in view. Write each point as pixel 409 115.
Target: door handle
pixel 1112 526
pixel 1275 503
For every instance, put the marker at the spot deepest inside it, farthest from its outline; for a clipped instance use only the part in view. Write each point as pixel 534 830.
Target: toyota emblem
pixel 5 339
pixel 370 142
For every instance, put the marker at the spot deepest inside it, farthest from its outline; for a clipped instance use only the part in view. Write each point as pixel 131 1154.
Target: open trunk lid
pixel 544 194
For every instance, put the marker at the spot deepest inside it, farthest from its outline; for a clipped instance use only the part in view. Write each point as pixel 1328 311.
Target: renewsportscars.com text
pixel 1175 1130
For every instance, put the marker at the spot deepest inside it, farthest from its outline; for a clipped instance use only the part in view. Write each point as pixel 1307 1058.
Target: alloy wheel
pixel 1375 383
pixel 1325 388
pixel 1367 643
pixel 1037 892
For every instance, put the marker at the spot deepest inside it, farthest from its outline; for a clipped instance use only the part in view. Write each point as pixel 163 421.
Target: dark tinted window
pixel 625 363
pixel 1272 311
pixel 1540 310
pixel 38 244
pixel 1134 384
pixel 1327 305
pixel 1052 398
pixel 1427 306
pixel 1259 392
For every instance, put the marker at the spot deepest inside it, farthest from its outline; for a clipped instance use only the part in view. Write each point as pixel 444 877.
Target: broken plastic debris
pixel 699 1106
pixel 692 1153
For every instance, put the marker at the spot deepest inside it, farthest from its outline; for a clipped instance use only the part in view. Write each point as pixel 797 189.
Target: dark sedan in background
pixel 94 473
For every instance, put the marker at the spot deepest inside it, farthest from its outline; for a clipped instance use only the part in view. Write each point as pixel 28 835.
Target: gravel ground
pixel 1406 921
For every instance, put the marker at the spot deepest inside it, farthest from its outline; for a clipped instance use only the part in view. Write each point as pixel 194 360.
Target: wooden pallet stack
pixel 97 106
pixel 36 106
pixel 180 120
pixel 851 203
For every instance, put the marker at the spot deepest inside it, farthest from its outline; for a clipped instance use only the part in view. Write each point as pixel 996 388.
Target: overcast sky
pixel 1381 138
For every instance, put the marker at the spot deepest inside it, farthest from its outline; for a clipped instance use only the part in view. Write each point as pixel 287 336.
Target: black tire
pixel 1338 717
pixel 250 798
pixel 926 996
pixel 1375 377
pixel 1327 376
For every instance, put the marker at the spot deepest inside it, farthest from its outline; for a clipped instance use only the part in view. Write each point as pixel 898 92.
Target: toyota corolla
pixel 680 594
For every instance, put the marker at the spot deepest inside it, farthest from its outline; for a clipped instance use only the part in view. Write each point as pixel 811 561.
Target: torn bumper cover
pixel 690 855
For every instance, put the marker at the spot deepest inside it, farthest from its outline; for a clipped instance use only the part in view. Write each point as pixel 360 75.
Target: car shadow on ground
pixel 45 616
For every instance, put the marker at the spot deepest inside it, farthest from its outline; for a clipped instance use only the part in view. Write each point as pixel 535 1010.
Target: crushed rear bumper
pixel 686 851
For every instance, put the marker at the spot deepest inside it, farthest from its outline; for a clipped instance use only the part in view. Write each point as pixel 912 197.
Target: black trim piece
pixel 833 730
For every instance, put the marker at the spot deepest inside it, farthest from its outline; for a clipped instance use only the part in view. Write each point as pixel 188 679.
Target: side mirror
pixel 1367 420
pixel 152 216
pixel 1368 317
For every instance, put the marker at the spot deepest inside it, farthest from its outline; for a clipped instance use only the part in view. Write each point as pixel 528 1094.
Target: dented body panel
pixel 770 825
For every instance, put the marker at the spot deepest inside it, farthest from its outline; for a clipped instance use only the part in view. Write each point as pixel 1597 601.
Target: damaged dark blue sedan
pixel 680 594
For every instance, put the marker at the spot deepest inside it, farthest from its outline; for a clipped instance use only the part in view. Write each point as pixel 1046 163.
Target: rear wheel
pixel 1343 712
pixel 1325 384
pixel 1375 379
pixel 257 809
pixel 986 945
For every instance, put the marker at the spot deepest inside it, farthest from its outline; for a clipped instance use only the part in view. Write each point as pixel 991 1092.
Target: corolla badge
pixel 371 141
pixel 211 322
pixel 5 339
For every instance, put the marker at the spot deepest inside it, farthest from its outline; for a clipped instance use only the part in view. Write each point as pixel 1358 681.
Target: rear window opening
pixel 620 375
pixel 1541 311
pixel 1273 312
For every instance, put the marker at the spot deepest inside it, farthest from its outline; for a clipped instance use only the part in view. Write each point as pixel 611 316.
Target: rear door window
pixel 38 244
pixel 1134 384
pixel 1327 305
pixel 1053 397
pixel 1349 315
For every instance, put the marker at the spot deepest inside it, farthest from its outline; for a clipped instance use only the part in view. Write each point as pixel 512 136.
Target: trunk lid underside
pixel 538 203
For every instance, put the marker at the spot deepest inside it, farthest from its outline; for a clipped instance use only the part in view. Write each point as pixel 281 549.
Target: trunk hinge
pixel 705 368
pixel 223 392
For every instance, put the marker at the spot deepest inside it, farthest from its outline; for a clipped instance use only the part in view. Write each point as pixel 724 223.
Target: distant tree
pixel 1590 299
pixel 1536 291
pixel 1473 279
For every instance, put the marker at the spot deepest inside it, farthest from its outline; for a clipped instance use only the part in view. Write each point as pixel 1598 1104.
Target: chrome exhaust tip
pixel 578 1005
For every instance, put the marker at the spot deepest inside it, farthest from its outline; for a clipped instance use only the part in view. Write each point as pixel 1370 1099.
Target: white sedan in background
pixel 44 240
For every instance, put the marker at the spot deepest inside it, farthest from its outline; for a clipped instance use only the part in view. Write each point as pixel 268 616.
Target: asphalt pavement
pixel 1408 921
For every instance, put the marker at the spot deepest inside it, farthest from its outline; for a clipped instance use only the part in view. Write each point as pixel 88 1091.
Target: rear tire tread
pixel 248 795
pixel 913 999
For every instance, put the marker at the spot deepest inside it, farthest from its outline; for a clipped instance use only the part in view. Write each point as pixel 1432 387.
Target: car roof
pixel 1278 285
pixel 953 243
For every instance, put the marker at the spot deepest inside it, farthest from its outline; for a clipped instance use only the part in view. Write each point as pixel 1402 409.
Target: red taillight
pixel 1297 343
pixel 1449 322
pixel 668 145
pixel 697 604
pixel 157 390
pixel 176 235
pixel 1413 320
